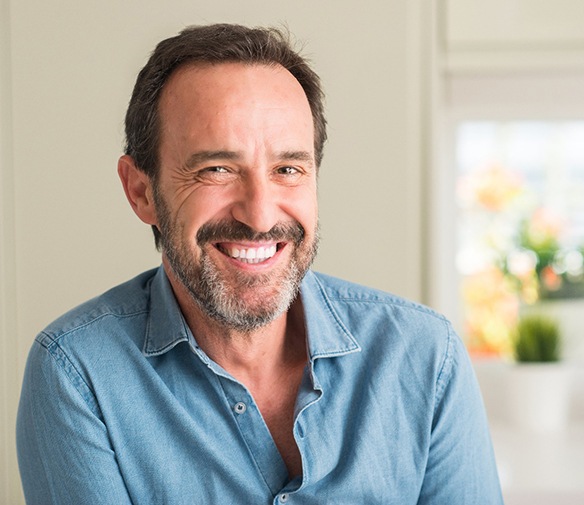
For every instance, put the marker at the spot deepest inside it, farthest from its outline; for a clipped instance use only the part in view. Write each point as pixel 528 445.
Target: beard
pixel 237 300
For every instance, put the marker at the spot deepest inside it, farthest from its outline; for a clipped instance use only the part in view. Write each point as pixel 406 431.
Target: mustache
pixel 234 231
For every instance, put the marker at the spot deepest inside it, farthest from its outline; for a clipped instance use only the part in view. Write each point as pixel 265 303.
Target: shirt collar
pixel 327 335
pixel 166 326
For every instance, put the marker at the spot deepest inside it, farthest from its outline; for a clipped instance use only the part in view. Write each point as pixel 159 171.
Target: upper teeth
pixel 252 253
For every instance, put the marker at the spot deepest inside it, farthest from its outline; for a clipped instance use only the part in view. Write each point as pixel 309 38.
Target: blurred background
pixel 454 176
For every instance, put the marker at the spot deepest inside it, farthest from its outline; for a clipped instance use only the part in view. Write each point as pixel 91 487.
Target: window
pixel 510 181
pixel 520 222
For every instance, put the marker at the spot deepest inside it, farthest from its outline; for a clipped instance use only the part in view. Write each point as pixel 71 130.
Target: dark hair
pixel 218 43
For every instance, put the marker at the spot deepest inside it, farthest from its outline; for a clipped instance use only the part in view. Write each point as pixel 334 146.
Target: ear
pixel 138 188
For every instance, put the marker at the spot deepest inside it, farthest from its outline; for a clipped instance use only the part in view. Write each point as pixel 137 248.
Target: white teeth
pixel 252 255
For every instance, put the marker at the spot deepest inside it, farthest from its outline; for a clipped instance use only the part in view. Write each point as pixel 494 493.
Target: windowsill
pixel 542 464
pixel 535 468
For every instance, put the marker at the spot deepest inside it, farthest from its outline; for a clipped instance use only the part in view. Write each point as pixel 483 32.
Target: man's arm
pixel 64 452
pixel 461 465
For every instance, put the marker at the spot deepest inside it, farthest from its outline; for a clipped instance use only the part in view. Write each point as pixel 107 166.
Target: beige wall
pixel 67 72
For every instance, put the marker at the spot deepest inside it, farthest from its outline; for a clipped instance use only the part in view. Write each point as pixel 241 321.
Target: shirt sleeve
pixel 64 452
pixel 461 467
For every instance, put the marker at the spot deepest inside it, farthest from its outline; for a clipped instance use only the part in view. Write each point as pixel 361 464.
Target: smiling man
pixel 232 373
pixel 236 205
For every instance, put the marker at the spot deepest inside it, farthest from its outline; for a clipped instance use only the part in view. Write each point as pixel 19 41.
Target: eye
pixel 287 170
pixel 216 174
pixel 216 170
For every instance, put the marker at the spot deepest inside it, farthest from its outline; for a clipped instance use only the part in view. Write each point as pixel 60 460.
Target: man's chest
pixel 184 430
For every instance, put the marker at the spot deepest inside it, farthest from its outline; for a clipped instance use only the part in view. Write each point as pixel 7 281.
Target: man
pixel 233 374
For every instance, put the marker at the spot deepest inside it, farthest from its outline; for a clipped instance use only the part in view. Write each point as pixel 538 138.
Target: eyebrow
pixel 296 156
pixel 205 156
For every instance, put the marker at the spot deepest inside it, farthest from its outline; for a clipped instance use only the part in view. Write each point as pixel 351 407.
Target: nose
pixel 256 205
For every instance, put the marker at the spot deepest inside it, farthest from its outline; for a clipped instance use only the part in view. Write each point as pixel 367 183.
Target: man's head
pixel 225 171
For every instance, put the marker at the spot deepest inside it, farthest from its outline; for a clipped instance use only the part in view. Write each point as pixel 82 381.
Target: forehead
pixel 235 107
pixel 217 86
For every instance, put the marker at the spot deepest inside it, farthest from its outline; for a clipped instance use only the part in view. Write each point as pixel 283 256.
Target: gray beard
pixel 215 297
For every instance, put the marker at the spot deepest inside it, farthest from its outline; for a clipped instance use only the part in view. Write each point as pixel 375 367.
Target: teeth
pixel 252 255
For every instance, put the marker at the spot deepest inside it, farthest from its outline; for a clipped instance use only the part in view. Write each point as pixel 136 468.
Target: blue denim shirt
pixel 121 406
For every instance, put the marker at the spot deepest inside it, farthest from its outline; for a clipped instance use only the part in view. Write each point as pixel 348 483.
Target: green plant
pixel 538 339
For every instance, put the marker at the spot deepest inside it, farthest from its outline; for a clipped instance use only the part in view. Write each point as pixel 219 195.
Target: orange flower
pixel 550 279
pixel 493 188
pixel 545 227
pixel 491 311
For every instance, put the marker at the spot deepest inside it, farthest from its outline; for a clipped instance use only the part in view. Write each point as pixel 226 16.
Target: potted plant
pixel 537 339
pixel 539 383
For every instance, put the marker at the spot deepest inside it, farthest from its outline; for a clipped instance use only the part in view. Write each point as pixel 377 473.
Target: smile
pixel 248 254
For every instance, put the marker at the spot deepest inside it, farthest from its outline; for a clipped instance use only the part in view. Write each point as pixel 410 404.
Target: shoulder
pixel 89 343
pixel 348 294
pixel 386 324
pixel 123 301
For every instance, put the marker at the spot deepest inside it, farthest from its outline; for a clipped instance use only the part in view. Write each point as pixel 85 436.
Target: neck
pixel 248 356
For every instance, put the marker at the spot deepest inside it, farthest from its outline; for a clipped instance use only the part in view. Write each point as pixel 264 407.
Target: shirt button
pixel 240 408
pixel 284 498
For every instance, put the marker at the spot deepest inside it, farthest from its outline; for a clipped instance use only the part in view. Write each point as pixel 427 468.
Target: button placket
pixel 254 431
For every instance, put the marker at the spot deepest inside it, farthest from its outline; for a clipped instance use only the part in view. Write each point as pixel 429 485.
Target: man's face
pixel 236 192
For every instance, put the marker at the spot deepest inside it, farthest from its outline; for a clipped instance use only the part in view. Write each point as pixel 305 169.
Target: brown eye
pixel 288 171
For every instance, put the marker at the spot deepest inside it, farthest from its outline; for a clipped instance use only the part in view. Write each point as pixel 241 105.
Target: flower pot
pixel 539 396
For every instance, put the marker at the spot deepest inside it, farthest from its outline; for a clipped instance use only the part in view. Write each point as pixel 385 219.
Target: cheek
pixel 307 212
pixel 201 208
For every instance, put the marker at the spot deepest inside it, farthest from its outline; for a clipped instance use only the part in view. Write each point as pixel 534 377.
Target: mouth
pixel 250 254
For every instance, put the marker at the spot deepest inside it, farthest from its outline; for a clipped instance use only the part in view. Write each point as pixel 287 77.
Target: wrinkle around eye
pixel 203 176
pixel 211 176
pixel 182 193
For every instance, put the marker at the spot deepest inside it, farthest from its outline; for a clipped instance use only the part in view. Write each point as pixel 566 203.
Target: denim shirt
pixel 121 406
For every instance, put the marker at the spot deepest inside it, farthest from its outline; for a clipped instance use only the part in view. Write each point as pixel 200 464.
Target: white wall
pixel 67 72
pixel 509 36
